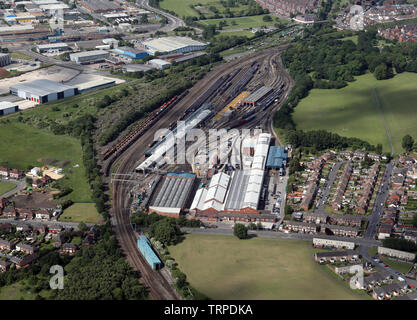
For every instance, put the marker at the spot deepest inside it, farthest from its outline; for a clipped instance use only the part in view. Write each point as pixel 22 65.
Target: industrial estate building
pixel 131 53
pixel 277 158
pixel 172 194
pixel 7 107
pixel 41 48
pixel 87 57
pixel 42 91
pixel 170 45
pixel 5 59
pixel 159 64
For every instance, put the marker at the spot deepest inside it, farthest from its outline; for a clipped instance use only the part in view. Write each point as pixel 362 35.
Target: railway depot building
pixel 172 194
pixel 42 91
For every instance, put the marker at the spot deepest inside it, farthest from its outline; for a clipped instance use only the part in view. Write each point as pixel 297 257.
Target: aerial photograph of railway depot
pixel 208 150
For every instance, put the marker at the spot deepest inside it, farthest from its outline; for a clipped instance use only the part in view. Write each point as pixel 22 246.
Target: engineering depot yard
pixel 203 102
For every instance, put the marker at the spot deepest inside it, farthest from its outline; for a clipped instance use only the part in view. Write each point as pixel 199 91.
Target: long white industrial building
pixel 161 154
pixel 239 193
pixel 170 45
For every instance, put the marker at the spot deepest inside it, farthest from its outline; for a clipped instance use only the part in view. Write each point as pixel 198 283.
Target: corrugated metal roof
pixel 258 94
pixel 276 157
pixel 41 87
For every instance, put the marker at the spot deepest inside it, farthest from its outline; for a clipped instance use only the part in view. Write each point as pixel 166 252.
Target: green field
pixel 242 22
pixel 223 267
pixel 182 7
pixel 353 111
pixel 22 146
pixel 17 291
pixel 81 212
pixel 6 187
pixel 243 33
pixel 402 267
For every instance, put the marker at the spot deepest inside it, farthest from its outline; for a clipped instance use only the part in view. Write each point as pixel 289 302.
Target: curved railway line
pixel 158 283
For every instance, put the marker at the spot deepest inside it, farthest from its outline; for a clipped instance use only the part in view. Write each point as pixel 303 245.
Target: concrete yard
pixel 54 73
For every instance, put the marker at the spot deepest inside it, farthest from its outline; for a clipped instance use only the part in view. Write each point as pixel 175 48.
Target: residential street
pixel 20 184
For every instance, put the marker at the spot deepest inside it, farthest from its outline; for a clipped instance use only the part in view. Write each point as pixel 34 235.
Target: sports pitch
pixel 223 267
pixel 353 111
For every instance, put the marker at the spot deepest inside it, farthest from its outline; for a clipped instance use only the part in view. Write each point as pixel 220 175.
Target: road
pixel 378 208
pixel 328 187
pixel 20 184
pixel 173 21
pixel 281 235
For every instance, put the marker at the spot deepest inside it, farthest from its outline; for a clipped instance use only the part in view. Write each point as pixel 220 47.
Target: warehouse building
pixel 159 64
pixel 5 59
pixel 41 48
pixel 172 194
pixel 100 6
pixel 138 67
pixel 212 199
pixel 257 96
pixel 170 45
pixel 276 158
pixel 87 57
pixel 131 53
pixel 145 248
pixel 246 186
pixel 7 107
pixel 42 91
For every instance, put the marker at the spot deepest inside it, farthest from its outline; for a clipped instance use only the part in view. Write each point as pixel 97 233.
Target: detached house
pixel 26 248
pixel 69 248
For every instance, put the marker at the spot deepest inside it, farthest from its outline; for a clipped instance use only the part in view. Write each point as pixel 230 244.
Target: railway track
pixel 156 283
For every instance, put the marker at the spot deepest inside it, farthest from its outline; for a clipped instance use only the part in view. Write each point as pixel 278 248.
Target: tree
pixel 415 220
pixel 144 19
pixel 378 148
pixel 82 226
pixel 267 18
pixel 288 209
pixel 165 231
pixel 407 143
pixel 240 231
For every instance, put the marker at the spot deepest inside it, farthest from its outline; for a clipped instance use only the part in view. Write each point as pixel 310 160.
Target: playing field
pixel 223 267
pixel 182 7
pixel 353 111
pixel 23 146
pixel 6 187
pixel 81 212
pixel 242 22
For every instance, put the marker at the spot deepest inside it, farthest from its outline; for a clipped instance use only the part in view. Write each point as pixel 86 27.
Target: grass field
pixel 22 146
pixel 243 33
pixel 182 7
pixel 353 112
pixel 81 212
pixel 6 187
pixel 241 22
pixel 17 291
pixel 223 267
pixel 397 265
pixel 18 55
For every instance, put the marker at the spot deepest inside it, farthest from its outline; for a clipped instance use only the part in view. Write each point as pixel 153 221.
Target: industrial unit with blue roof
pixel 276 157
pixel 131 53
pixel 146 250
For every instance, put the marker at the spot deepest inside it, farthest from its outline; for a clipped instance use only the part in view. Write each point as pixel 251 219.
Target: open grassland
pixel 353 111
pixel 19 291
pixel 242 22
pixel 6 187
pixel 23 146
pixel 223 267
pixel 402 267
pixel 182 7
pixel 81 212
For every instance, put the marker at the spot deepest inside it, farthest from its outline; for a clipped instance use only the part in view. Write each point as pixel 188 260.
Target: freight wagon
pixel 145 248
